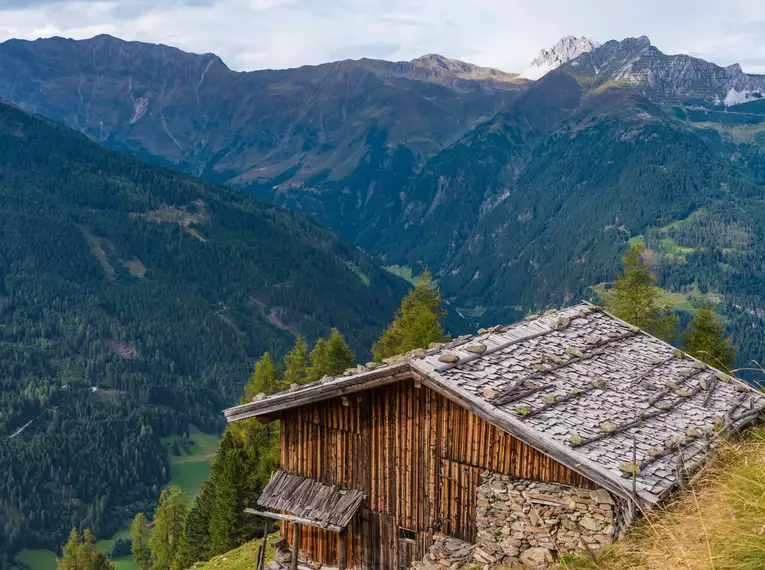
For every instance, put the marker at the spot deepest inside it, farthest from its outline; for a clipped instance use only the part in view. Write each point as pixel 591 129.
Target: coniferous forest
pixel 133 302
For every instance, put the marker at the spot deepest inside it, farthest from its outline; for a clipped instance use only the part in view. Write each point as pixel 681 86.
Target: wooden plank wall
pixel 417 455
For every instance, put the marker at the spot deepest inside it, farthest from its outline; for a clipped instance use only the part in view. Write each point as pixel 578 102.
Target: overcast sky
pixel 507 34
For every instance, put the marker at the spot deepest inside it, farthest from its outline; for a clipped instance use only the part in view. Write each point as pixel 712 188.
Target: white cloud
pixel 252 34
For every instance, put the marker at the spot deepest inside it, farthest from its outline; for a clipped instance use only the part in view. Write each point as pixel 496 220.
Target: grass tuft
pixel 718 524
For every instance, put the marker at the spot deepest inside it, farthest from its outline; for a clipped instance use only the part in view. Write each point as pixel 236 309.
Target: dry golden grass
pixel 718 524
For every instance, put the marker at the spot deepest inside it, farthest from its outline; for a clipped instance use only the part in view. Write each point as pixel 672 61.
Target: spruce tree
pixel 340 357
pixel 635 297
pixel 168 528
pixel 417 322
pixel 319 361
pixel 705 339
pixel 265 378
pixel 296 363
pixel 195 541
pixel 140 542
pixel 230 480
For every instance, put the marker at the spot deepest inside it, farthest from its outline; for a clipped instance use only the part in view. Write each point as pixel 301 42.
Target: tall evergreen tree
pixel 705 339
pixel 168 528
pixel 227 520
pixel 195 541
pixel 339 355
pixel 417 322
pixel 296 363
pixel 319 361
pixel 265 378
pixel 635 297
pixel 140 542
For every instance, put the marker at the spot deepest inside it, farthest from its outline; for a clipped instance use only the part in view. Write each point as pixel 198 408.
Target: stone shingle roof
pixel 593 385
pixel 577 384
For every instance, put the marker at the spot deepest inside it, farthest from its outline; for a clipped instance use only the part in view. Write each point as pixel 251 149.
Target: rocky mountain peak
pixel 668 78
pixel 564 51
pixel 439 66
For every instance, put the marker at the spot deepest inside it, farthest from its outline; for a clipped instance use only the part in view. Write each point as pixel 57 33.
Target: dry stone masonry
pixel 519 521
pixel 516 515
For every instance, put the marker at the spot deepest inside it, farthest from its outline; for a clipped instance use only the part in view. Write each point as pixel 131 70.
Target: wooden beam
pixel 667 391
pixel 262 549
pixel 636 422
pixel 564 399
pixel 316 392
pixel 294 520
pixel 343 547
pixel 295 545
pixel 651 370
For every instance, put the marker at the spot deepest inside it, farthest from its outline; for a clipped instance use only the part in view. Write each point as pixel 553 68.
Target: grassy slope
pixel 719 524
pixel 189 469
pixel 243 558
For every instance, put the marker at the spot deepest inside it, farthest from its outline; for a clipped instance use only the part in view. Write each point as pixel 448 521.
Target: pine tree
pixel 296 363
pixel 705 339
pixel 339 355
pixel 635 297
pixel 417 322
pixel 195 541
pixel 168 528
pixel 140 542
pixel 265 378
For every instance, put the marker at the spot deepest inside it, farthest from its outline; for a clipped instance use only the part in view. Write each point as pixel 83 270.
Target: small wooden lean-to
pixel 309 503
pixel 575 398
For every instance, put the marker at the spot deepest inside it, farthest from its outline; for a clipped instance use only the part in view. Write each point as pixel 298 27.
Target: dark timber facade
pixel 416 455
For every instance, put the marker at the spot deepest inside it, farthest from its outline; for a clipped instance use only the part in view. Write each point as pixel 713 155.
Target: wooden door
pixel 407 553
pixel 457 498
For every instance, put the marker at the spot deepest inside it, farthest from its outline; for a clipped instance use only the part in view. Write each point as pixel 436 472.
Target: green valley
pixel 134 301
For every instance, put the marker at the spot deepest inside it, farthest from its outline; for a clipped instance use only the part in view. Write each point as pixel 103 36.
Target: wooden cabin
pixel 375 462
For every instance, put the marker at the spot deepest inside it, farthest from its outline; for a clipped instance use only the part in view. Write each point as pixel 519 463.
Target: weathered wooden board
pixel 416 455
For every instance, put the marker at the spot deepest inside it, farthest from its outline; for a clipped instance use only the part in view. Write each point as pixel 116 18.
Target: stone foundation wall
pixel 518 515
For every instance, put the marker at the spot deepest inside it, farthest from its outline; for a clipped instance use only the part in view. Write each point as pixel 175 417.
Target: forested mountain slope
pixel 525 209
pixel 133 301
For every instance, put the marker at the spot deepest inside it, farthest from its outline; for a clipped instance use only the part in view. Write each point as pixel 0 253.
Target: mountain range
pixel 518 191
pixel 429 162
